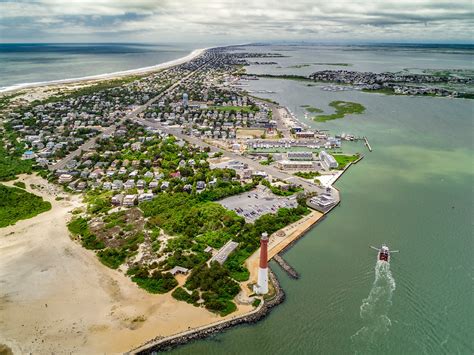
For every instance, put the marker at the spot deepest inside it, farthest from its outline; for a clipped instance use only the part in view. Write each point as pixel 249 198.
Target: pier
pixel 286 267
pixel 367 144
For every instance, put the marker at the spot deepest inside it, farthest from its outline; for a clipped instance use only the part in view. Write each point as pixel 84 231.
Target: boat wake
pixel 374 311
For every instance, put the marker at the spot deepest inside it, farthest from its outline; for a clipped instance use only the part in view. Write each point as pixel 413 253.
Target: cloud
pixel 234 20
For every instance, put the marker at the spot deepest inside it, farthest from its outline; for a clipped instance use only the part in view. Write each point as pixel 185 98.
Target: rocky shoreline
pixel 168 343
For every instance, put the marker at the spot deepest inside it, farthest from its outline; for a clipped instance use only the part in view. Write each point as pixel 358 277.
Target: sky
pixel 236 21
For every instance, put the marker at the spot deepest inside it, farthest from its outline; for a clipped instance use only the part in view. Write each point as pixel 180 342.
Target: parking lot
pixel 255 203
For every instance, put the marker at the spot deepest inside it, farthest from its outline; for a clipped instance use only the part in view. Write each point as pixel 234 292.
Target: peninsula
pixel 158 187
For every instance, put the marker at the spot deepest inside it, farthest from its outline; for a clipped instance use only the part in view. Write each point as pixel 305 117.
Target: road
pixel 254 165
pixel 109 130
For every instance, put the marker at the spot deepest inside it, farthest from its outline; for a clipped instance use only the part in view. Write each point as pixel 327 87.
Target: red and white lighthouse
pixel 262 284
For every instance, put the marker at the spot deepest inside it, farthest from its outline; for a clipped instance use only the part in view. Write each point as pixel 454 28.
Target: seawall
pixel 167 343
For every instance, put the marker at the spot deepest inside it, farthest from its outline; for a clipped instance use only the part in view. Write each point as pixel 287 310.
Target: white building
pixel 327 160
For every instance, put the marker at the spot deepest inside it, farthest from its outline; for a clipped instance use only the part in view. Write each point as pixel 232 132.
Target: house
pixel 136 146
pixel 179 270
pixel 117 185
pixel 141 184
pixel 145 197
pixel 64 178
pixel 300 155
pixel 200 185
pixel 130 200
pixel 129 184
pixel 165 185
pixel 28 155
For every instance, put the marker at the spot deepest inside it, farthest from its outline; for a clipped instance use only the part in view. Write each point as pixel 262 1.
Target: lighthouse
pixel 262 284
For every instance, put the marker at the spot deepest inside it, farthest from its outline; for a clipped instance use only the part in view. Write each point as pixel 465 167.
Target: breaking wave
pixel 374 311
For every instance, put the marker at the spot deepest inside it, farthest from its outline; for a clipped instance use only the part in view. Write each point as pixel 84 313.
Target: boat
pixel 384 253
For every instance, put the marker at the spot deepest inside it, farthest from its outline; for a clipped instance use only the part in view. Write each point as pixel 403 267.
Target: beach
pixel 56 297
pixel 106 76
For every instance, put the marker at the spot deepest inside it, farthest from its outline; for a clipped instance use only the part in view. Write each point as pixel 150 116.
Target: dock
pixel 367 144
pixel 286 267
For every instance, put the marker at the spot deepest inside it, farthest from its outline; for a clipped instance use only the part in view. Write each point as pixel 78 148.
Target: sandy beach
pixel 107 76
pixel 56 297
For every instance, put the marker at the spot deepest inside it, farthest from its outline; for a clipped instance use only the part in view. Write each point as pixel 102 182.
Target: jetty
pixel 286 267
pixel 367 144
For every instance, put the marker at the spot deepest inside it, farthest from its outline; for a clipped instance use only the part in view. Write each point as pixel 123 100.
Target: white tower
pixel 262 284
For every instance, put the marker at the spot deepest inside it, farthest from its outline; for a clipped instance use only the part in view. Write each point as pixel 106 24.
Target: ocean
pixel 413 192
pixel 30 63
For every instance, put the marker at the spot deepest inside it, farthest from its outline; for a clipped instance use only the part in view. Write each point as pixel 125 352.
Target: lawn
pixel 343 159
pixel 343 108
pixel 17 204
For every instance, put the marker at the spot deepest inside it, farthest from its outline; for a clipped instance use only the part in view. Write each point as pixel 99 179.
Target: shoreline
pixel 107 76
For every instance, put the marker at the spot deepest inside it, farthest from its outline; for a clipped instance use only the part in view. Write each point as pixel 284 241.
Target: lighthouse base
pixel 261 287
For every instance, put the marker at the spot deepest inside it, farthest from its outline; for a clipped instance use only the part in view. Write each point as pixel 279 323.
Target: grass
pixel 343 108
pixel 343 160
pixel 17 204
pixel 313 109
pixel 307 174
pixel 20 184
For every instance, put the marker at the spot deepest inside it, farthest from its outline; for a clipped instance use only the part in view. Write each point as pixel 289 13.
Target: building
pixel 129 200
pixel 28 155
pixel 117 200
pixel 262 283
pixel 327 160
pixel 185 100
pixel 179 270
pixel 295 165
pixel 300 155
pixel 64 178
pixel 304 134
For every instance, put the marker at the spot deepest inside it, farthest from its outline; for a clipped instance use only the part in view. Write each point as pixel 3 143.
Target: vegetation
pixel 314 109
pixel 79 227
pixel 279 191
pixel 182 295
pixel 17 204
pixel 343 159
pixel 20 184
pixel 218 288
pixel 307 174
pixel 235 109
pixel 11 165
pixel 256 302
pixel 249 237
pixel 268 161
pixel 155 282
pixel 112 258
pixel 342 108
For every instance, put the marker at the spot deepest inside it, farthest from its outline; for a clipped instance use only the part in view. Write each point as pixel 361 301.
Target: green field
pixel 17 204
pixel 343 108
pixel 343 159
